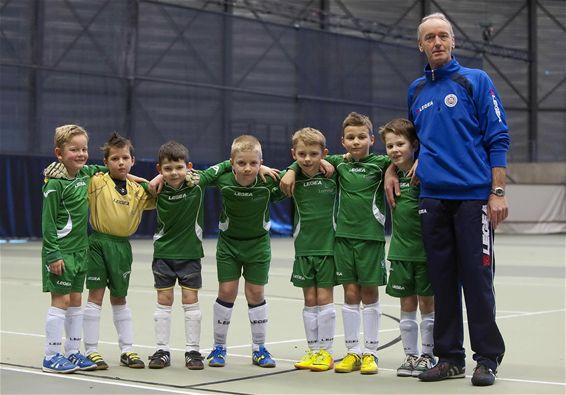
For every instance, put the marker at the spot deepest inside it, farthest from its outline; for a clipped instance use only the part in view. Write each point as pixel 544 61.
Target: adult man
pixel 464 139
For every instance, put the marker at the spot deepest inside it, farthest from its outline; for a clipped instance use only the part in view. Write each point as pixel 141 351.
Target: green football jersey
pixel 64 218
pixel 180 217
pixel 245 210
pixel 315 211
pixel 361 204
pixel 406 239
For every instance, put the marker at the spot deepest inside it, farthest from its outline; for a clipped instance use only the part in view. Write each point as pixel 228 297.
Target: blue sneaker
pixel 82 362
pixel 262 358
pixel 217 357
pixel 58 364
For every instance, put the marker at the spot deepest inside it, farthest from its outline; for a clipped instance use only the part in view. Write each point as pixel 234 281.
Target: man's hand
pixel 497 207
pixel 287 184
pixel 497 210
pixel 57 267
pixel 391 185
pixel 268 171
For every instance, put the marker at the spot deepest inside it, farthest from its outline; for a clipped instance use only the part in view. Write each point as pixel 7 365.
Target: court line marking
pixel 100 381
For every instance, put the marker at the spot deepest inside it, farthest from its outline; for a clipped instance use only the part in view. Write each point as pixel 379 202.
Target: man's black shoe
pixel 442 371
pixel 483 376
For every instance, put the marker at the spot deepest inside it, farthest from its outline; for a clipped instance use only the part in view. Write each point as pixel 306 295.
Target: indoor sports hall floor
pixel 531 296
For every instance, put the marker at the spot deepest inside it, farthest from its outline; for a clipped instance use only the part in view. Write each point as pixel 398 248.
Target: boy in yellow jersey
pixel 116 205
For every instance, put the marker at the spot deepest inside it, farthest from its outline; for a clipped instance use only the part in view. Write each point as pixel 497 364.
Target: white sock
pixel 310 322
pixel 222 315
pixel 73 330
pixel 91 327
pixel 372 323
pixel 122 316
pixel 351 318
pixel 427 326
pixel 162 320
pixel 409 329
pixel 54 324
pixel 193 318
pixel 326 326
pixel 258 323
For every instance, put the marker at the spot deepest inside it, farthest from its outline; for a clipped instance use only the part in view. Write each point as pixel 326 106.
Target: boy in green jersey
pixel 359 248
pixel 408 278
pixel 313 270
pixel 243 248
pixel 64 249
pixel 178 251
pixel 116 205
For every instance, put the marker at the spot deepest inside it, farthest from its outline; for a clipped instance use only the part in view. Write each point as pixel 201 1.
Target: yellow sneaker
pixel 306 361
pixel 369 364
pixel 323 361
pixel 350 363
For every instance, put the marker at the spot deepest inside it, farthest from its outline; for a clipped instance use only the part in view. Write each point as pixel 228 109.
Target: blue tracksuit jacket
pixel 462 130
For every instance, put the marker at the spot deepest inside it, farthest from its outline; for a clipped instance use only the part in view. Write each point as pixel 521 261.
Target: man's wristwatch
pixel 498 191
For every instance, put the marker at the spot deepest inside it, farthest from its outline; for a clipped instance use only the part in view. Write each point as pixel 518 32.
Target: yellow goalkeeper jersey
pixel 113 213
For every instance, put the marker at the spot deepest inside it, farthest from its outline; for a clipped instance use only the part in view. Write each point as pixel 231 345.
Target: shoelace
pixel 308 356
pixel 423 362
pixel 411 361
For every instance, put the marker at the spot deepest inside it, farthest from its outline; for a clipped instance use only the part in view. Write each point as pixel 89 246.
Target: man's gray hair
pixel 436 15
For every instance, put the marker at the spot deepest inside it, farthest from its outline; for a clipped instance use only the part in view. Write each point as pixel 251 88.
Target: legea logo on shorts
pixel 93 278
pixel 451 100
pixel 63 283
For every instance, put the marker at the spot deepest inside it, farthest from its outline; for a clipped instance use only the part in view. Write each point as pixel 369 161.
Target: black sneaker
pixel 193 360
pixel 159 359
pixel 483 376
pixel 442 371
pixel 131 360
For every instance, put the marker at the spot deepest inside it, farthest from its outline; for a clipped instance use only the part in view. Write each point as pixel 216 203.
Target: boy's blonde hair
pixel 173 151
pixel 399 127
pixel 436 15
pixel 309 136
pixel 117 141
pixel 64 134
pixel 244 143
pixel 355 119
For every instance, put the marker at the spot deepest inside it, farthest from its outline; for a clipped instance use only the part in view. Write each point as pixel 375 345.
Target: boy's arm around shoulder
pixel 149 199
pixel 276 192
pixel 210 175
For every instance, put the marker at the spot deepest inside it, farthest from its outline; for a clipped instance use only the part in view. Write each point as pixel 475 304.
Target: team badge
pixel 451 100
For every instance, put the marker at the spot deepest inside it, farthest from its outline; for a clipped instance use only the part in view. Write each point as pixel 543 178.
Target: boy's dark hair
pixel 400 127
pixel 173 151
pixel 355 119
pixel 117 141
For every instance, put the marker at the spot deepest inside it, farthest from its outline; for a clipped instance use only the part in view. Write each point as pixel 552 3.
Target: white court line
pixel 101 381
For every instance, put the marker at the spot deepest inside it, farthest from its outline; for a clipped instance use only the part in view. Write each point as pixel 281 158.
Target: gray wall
pixel 203 72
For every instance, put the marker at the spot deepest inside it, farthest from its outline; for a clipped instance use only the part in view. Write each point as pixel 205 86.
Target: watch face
pixel 499 192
